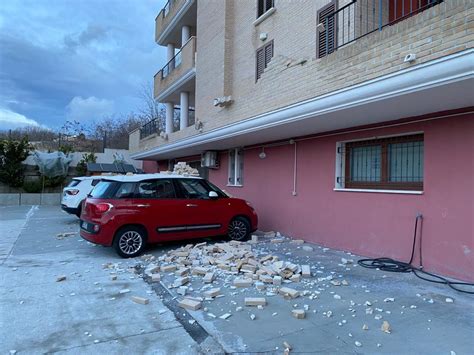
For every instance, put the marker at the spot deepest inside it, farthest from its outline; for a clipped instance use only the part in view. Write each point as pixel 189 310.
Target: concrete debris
pixel 225 316
pixel 241 282
pixel 65 235
pixel 297 241
pixel 61 278
pixel 168 268
pixel 287 345
pixel 252 316
pixel 155 278
pixel 365 327
pixel 181 168
pixel 449 300
pixel 277 240
pixel 191 321
pixel 255 301
pixel 298 313
pixel 124 291
pixel 208 278
pixel 288 292
pixel 389 299
pixel 190 304
pixel 213 292
pixel 140 300
pixel 386 327
pixel 358 344
pixel 307 248
pixel 337 297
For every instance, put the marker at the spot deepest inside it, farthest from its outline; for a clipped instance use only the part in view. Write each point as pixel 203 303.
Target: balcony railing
pixel 157 125
pixel 166 15
pixel 181 63
pixel 361 17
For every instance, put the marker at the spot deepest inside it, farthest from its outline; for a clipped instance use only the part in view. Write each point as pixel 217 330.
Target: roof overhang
pixel 439 85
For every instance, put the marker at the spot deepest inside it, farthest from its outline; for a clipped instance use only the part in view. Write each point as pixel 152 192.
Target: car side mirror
pixel 213 195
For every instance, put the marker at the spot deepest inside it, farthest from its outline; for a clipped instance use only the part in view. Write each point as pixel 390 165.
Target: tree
pixel 81 167
pixel 12 154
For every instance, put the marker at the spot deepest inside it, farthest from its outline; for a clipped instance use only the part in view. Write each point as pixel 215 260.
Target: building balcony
pixel 177 75
pixel 358 18
pixel 174 15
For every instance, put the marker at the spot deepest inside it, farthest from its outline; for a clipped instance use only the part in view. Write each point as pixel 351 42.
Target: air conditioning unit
pixel 209 160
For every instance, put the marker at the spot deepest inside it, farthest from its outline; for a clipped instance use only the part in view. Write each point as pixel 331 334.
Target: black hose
pixel 391 265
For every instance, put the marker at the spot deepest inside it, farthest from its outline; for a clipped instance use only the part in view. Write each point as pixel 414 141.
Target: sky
pixel 75 59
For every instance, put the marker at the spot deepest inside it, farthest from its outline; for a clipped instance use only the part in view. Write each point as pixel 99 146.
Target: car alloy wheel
pixel 238 229
pixel 130 242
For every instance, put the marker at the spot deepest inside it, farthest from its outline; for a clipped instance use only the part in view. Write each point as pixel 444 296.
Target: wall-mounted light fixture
pixel 262 155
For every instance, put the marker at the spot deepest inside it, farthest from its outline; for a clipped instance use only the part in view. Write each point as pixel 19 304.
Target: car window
pixel 161 189
pixel 194 188
pixel 104 189
pixel 73 183
pixel 95 182
pixel 126 190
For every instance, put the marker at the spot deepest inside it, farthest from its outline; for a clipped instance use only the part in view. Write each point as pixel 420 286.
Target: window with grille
pixel 326 31
pixel 263 6
pixel 394 163
pixel 236 167
pixel 264 56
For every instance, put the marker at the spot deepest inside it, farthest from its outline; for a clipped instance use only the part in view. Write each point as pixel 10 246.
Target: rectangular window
pixel 263 57
pixel 236 167
pixel 326 30
pixel 159 189
pixel 394 163
pixel 263 6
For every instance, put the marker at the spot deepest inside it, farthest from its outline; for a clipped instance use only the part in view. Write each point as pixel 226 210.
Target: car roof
pixel 141 177
pixel 81 178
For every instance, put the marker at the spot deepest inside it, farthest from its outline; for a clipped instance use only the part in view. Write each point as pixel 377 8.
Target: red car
pixel 128 212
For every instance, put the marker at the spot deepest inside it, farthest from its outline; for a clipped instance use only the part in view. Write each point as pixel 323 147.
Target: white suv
pixel 76 192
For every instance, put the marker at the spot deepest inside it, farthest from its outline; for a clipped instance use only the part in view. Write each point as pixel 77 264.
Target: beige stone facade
pixel 228 36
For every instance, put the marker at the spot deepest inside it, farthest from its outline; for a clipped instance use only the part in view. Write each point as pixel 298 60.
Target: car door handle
pixel 191 205
pixel 143 206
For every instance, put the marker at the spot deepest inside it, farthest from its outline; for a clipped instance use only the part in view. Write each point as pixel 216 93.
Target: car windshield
pixel 104 189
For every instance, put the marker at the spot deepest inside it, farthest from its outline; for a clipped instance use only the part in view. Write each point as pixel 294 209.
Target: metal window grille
pixel 394 163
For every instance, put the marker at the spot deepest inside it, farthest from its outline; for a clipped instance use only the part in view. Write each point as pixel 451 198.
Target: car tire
pixel 239 229
pixel 130 241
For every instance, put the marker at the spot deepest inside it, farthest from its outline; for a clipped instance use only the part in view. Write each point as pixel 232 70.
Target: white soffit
pixel 442 84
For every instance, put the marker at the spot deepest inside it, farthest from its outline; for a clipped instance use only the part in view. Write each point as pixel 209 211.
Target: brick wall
pixel 228 39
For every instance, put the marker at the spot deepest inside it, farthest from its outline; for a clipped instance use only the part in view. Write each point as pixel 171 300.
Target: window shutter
pixel 264 56
pixel 268 53
pixel 260 62
pixel 326 42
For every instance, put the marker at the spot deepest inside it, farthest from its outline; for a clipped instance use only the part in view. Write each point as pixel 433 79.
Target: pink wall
pixel 150 166
pixel 371 224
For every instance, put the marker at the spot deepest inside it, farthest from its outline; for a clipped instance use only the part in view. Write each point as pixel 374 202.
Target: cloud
pixel 11 120
pixel 91 34
pixel 89 109
pixel 85 49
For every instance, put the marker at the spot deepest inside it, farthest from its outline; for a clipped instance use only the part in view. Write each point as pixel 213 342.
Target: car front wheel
pixel 130 241
pixel 239 229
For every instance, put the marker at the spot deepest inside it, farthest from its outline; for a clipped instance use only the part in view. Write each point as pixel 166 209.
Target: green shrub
pixel 33 186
